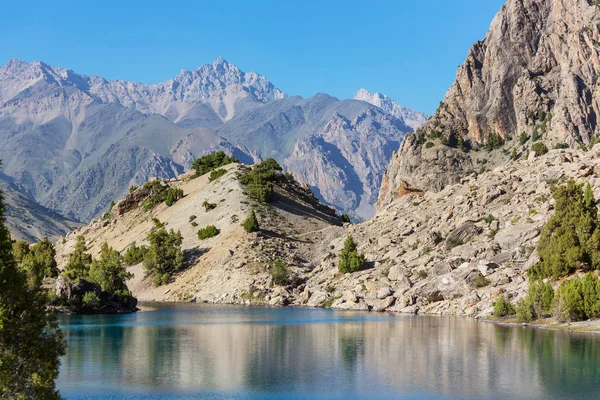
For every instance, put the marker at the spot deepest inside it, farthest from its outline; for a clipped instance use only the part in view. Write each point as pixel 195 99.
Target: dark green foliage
pixel 280 272
pixel 452 242
pixel 493 141
pixel 167 194
pixel 216 173
pixel 480 281
pixel 132 188
pixel 212 161
pixel 502 307
pixel 79 262
pixel 164 256
pixel 134 254
pixel 251 223
pixel 489 219
pixel 20 248
pixel 109 272
pixel 570 239
pixel 346 218
pixel 208 232
pixel 537 304
pixel 31 342
pixel 90 300
pixel 523 138
pixel 39 262
pixel 429 145
pixel 208 206
pixel 578 299
pixel 561 146
pixel 535 136
pixel 111 206
pixel 259 181
pixel 514 156
pixel 539 148
pixel 350 259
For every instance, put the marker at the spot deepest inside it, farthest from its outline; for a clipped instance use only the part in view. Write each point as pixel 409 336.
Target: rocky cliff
pixel 536 72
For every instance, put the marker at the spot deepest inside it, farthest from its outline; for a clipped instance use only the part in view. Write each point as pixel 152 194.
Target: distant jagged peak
pixel 410 117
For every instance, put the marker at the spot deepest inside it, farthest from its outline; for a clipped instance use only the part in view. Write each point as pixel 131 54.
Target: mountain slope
pixel 536 72
pixel 412 118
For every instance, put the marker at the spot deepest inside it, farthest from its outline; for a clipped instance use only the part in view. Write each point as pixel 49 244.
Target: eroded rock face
pixel 536 72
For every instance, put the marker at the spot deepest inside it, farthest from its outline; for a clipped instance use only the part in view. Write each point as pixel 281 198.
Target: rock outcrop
pixel 536 72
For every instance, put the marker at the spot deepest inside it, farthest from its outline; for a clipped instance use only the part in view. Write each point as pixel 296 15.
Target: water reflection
pixel 241 351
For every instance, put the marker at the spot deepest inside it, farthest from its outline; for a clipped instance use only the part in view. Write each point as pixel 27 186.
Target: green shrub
pixel 132 188
pixel 524 311
pixel 561 146
pixel 502 307
pixel 134 254
pixel 111 206
pixel 480 281
pixel 489 219
pixel 194 224
pixel 493 141
pixel 38 261
pixel 109 272
pixel 452 242
pixel 212 161
pixel 259 180
pixel 164 255
pixel 159 194
pixel 20 248
pixel 346 218
pixel 578 299
pixel 429 145
pixel 571 238
pixel 350 259
pixel 523 138
pixel 422 274
pixel 79 262
pixel 539 148
pixel 280 272
pixel 216 174
pixel 209 206
pixel 208 232
pixel 250 224
pixel 90 299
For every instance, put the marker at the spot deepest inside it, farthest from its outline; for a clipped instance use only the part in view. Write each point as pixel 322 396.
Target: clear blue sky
pixel 407 49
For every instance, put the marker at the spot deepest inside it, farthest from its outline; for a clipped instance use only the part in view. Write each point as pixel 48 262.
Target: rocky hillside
pixel 448 252
pixel 412 118
pixel 234 265
pixel 74 143
pixel 535 73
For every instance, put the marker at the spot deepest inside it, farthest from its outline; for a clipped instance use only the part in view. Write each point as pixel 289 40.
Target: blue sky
pixel 407 49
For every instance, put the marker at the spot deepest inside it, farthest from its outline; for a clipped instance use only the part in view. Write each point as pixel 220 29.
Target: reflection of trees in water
pixel 568 364
pixel 352 345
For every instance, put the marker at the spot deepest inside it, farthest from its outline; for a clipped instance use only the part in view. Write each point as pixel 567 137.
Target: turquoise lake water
pixel 194 351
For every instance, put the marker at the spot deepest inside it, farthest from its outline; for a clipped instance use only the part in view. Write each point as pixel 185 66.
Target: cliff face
pixel 536 72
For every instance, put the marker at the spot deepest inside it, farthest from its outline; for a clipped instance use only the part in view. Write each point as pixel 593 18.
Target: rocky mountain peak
pixel 536 72
pixel 411 118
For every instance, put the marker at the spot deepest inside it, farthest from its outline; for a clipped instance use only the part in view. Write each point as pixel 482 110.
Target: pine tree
pixel 350 259
pixel 79 261
pixel 251 223
pixel 109 272
pixel 31 342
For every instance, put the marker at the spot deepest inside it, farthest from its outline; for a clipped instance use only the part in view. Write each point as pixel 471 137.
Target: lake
pixel 196 351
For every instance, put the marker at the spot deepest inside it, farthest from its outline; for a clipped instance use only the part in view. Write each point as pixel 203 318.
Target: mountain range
pixel 73 143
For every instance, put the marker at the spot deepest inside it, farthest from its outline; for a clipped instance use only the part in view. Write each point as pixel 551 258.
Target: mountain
pixel 536 72
pixel 412 118
pixel 74 143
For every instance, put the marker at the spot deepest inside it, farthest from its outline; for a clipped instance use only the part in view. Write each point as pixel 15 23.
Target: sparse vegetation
pixel 134 254
pixel 561 146
pixel 280 272
pixel 502 307
pixel 211 162
pixel 208 232
pixel 208 206
pixel 216 174
pixel 109 272
pixel 164 256
pixel 259 180
pixel 480 281
pixel 350 259
pixel 570 239
pixel 346 218
pixel 493 141
pixel 251 224
pixel 452 242
pixel 539 148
